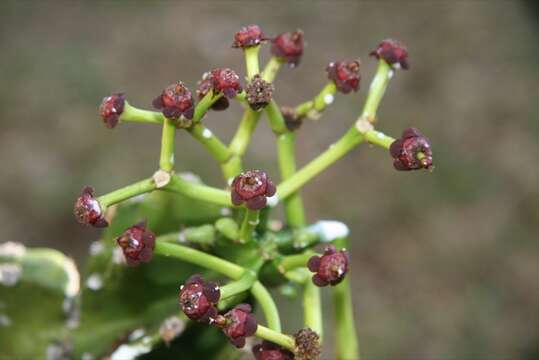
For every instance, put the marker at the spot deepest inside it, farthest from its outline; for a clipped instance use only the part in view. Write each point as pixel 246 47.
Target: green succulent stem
pixel 204 105
pixel 377 89
pixel 134 114
pixel 215 147
pixel 312 308
pixel 166 160
pixel 198 191
pixel 381 139
pixel 275 337
pixel 242 137
pixel 291 262
pixel 248 225
pixel 271 69
pixel 347 346
pixel 269 308
pixel 320 102
pixel 234 288
pixel 127 192
pixel 251 61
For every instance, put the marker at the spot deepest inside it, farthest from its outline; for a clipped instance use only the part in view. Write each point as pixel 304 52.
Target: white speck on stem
pixel 225 211
pixel 137 199
pixel 206 133
pixel 5 320
pixel 136 334
pixel 328 99
pixel 94 282
pixel 96 247
pixel 10 274
pixel 391 73
pixel 12 249
pixel 273 200
pixel 254 222
pixel 118 256
pixel 171 158
pixel 380 135
pixel 329 230
pixel 126 351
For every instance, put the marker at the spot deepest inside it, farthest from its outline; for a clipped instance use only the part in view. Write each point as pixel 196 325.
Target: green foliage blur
pixel 444 263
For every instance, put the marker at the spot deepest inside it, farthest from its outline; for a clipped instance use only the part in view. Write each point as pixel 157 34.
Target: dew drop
pixel 96 248
pixel 94 282
pixel 10 274
pixel 328 99
pixel 207 133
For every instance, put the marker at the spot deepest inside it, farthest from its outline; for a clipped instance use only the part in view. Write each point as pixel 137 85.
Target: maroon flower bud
pixel 176 101
pixel 270 351
pixel 289 47
pixel 111 108
pixel 307 345
pixel 204 86
pixel 137 243
pixel 259 93
pixel 345 74
pixel 330 268
pixel 252 187
pixel 226 81
pixel 412 151
pixel 393 52
pixel 198 299
pixel 238 324
pixel 87 209
pixel 250 35
pixel 291 118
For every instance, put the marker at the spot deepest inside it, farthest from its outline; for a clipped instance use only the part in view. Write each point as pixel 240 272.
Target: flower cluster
pixel 252 188
pixel 137 244
pixel 88 210
pixel 249 36
pixel 176 102
pixel 412 151
pixel 111 108
pixel 270 351
pixel 288 47
pixel 198 299
pixel 393 52
pixel 330 268
pixel 345 74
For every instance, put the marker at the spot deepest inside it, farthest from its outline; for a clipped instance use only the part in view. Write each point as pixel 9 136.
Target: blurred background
pixel 445 264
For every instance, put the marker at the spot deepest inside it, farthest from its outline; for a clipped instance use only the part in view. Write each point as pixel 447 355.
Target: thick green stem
pixel 243 135
pixel 231 168
pixel 198 191
pixel 166 161
pixel 271 69
pixel 251 61
pixel 379 138
pixel 250 221
pixel 291 262
pixel 276 119
pixel 134 114
pixel 346 335
pixel 312 308
pixel 236 287
pixel 271 313
pixel 127 192
pixel 216 148
pixel 377 89
pixel 275 337
pixel 320 101
pixel 204 104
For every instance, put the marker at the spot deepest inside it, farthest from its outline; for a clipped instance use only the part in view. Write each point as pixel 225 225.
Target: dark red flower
pixel 307 345
pixel 288 46
pixel 270 351
pixel 111 108
pixel 226 81
pixel 176 101
pixel 345 74
pixel 252 187
pixel 412 151
pixel 87 209
pixel 330 268
pixel 198 299
pixel 238 324
pixel 204 86
pixel 393 52
pixel 250 35
pixel 259 93
pixel 137 243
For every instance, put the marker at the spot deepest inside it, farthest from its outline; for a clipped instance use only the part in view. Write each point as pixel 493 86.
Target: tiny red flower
pixel 226 81
pixel 238 324
pixel 259 93
pixel 345 74
pixel 307 345
pixel 250 35
pixel 330 268
pixel 289 47
pixel 270 351
pixel 87 209
pixel 176 101
pixel 252 187
pixel 198 299
pixel 393 52
pixel 137 243
pixel 204 86
pixel 412 151
pixel 111 108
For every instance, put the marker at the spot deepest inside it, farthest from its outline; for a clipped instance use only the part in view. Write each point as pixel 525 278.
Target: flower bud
pixel 330 268
pixel 238 324
pixel 198 299
pixel 204 86
pixel 412 151
pixel 345 74
pixel 307 345
pixel 393 52
pixel 252 187
pixel 137 244
pixel 248 36
pixel 288 46
pixel 87 209
pixel 111 108
pixel 259 93
pixel 226 81
pixel 270 351
pixel 291 118
pixel 177 104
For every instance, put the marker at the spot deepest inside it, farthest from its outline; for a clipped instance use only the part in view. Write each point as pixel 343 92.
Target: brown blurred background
pixel 445 264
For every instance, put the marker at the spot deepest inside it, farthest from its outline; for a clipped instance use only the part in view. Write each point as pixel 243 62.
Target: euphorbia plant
pixel 242 251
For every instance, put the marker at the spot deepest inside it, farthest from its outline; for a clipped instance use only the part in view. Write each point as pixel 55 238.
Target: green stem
pixel 134 114
pixel 271 313
pixel 251 61
pixel 379 138
pixel 236 287
pixel 376 91
pixel 204 104
pixel 271 69
pixel 216 148
pixel 250 221
pixel 293 205
pixel 346 335
pixel 231 168
pixel 276 119
pixel 320 101
pixel 291 262
pixel 243 135
pixel 312 308
pixel 199 258
pixel 166 161
pixel 275 337
pixel 127 192
pixel 198 191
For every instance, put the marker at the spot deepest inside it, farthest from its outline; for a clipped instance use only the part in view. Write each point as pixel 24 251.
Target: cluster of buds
pixel 176 103
pixel 270 351
pixel 249 36
pixel 221 81
pixel 288 47
pixel 252 188
pixel 393 52
pixel 111 108
pixel 411 151
pixel 330 268
pixel 87 209
pixel 137 244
